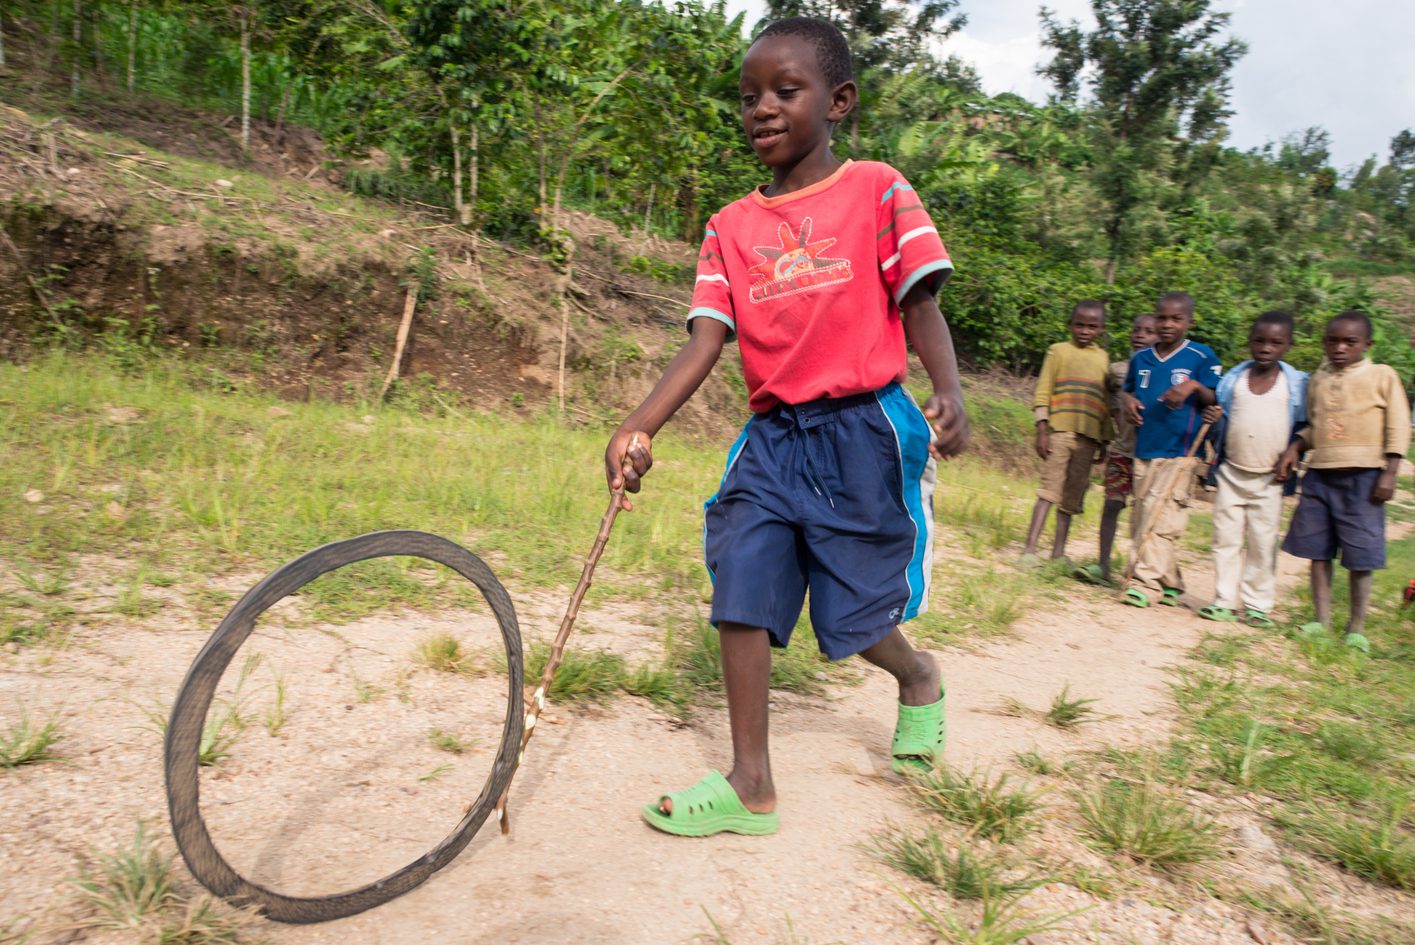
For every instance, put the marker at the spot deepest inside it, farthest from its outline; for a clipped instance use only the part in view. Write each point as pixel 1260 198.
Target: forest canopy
pixel 1120 186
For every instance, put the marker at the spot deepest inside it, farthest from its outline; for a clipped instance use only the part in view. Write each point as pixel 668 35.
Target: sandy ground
pixel 351 787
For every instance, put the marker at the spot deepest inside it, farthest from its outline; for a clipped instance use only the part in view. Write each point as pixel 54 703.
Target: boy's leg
pixel 916 672
pixel 1230 512
pixel 1321 591
pixel 1259 589
pixel 1034 531
pixel 746 675
pixel 1110 521
pixel 1360 600
pixel 1063 529
pixel 1162 510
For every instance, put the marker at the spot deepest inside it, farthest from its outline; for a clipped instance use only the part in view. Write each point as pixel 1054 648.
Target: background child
pixel 1263 402
pixel 1359 432
pixel 821 276
pixel 1120 457
pixel 1072 423
pixel 1165 388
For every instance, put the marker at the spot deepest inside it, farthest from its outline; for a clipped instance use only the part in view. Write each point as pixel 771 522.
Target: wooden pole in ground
pixel 414 287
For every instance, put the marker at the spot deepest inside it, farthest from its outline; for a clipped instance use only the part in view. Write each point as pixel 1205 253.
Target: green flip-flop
pixel 1220 614
pixel 919 736
pixel 1135 597
pixel 1257 618
pixel 708 807
pixel 1312 631
pixel 1358 641
pixel 1092 574
pixel 1170 597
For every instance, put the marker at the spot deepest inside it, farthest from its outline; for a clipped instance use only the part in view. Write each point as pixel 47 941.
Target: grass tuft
pixel 446 741
pixel 986 807
pixel 28 743
pixel 1137 820
pixel 1066 713
pixel 1002 921
pixel 1379 848
pixel 444 652
pixel 962 873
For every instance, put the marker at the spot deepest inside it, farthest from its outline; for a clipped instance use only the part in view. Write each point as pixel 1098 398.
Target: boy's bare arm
pixel 928 335
pixel 1179 393
pixel 629 454
pixel 1384 489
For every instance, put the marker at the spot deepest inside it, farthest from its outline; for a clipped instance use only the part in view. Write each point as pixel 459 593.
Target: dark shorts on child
pixel 1335 514
pixel 835 495
pixel 1119 476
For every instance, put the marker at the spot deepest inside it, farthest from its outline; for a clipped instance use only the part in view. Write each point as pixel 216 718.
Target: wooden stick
pixel 1147 528
pixel 557 649
pixel 414 287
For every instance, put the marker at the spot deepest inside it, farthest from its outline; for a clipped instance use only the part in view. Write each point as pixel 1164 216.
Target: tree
pixel 1305 151
pixel 1159 86
pixel 1402 150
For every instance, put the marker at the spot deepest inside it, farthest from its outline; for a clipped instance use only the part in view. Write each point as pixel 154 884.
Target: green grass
pixel 988 807
pixel 444 653
pixel 132 891
pixel 1139 820
pixel 1379 846
pixel 26 742
pixel 1001 921
pixel 1037 763
pixel 447 741
pixel 1067 713
pixel 962 872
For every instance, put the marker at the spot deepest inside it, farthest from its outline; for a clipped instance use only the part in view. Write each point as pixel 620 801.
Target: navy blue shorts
pixel 1336 513
pixel 835 496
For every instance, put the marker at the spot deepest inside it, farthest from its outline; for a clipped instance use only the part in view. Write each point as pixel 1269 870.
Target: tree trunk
pixel 280 115
pixel 473 152
pixel 77 37
pixel 562 292
pixel 2 38
pixel 132 46
pixel 457 210
pixel 244 15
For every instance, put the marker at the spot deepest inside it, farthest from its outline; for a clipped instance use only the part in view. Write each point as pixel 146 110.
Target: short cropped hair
pixel 1360 318
pixel 832 51
pixel 1183 298
pixel 1089 305
pixel 1275 317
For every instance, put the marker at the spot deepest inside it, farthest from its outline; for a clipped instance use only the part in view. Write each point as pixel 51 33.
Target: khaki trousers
pixel 1163 488
pixel 1247 516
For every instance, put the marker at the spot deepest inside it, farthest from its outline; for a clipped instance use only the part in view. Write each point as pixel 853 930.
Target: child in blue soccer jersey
pixel 1167 386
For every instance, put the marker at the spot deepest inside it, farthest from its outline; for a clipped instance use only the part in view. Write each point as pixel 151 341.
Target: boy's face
pixel 1171 322
pixel 1086 326
pixel 1267 343
pixel 1142 333
pixel 788 110
pixel 1345 342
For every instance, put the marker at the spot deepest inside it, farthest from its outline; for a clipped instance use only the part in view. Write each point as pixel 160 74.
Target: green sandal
pixel 1357 641
pixel 918 737
pixel 1220 614
pixel 1092 574
pixel 1135 597
pixel 1170 597
pixel 708 807
pixel 1256 618
pixel 1312 632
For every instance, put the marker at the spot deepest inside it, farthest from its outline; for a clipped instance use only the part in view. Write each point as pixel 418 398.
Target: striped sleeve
pixel 712 294
pixel 909 246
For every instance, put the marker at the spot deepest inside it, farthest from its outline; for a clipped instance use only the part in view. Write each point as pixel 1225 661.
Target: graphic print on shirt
pixel 796 265
pixel 1179 376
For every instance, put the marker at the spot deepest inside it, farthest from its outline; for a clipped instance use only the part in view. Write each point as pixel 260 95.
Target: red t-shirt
pixel 810 282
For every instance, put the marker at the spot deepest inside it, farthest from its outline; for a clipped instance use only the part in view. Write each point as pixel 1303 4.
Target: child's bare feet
pixel 757 794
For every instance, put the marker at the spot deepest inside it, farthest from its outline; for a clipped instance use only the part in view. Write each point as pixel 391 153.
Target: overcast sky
pixel 1348 66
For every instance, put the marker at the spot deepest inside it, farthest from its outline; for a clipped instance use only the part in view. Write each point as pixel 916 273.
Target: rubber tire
pixel 183 738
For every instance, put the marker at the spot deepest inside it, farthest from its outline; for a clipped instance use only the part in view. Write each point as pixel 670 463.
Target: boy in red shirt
pixel 821 276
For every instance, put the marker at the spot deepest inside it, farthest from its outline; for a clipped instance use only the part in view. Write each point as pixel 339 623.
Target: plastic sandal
pixel 1135 597
pixel 1220 614
pixel 918 737
pixel 1170 597
pixel 1313 632
pixel 708 807
pixel 1357 641
pixel 1092 574
pixel 1256 618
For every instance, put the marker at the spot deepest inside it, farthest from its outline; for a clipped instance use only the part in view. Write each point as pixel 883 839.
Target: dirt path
pixel 579 866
